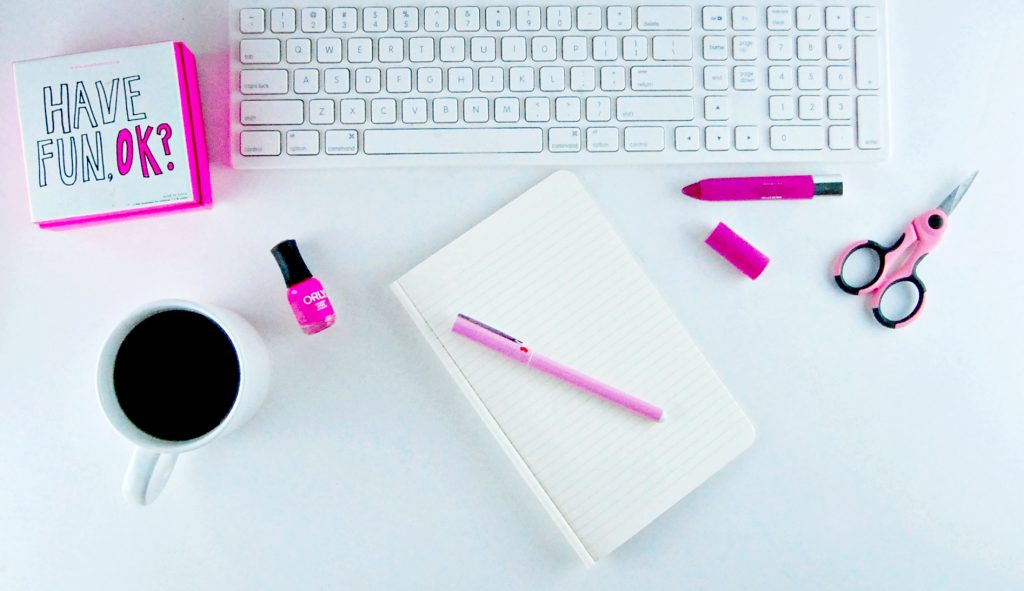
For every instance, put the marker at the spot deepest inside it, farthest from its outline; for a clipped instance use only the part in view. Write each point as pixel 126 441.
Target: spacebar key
pixel 454 141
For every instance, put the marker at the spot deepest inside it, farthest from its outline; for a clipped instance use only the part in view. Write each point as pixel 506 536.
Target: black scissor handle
pixel 879 298
pixel 879 250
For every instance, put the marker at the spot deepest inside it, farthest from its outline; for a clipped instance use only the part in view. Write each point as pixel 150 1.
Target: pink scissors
pixel 898 264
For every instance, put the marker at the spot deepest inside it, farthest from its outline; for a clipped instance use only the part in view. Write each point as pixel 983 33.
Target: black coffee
pixel 176 375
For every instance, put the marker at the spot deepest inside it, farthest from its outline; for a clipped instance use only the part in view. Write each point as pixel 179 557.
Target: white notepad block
pixel 550 270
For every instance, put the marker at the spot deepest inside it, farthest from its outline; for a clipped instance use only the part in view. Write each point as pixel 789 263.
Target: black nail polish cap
pixel 290 260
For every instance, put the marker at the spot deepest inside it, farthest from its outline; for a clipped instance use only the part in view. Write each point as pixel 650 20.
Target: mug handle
pixel 147 474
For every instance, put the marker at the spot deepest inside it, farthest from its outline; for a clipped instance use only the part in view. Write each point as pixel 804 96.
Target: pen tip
pixel 662 418
pixel 692 190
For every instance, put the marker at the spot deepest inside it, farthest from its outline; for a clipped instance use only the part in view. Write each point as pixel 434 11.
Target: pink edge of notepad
pixel 737 251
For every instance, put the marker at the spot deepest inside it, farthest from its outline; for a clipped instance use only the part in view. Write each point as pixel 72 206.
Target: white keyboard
pixel 554 83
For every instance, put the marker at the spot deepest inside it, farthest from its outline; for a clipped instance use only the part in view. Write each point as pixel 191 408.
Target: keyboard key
pixel 353 111
pixel 435 19
pixel 808 18
pixel 383 110
pixel 428 80
pixel 809 78
pixel 838 48
pixel 603 139
pixel 599 108
pixel 391 50
pixel 565 139
pixel 367 80
pixel 840 137
pixel 574 49
pixel 521 79
pixel 746 78
pixel 744 18
pixel 672 48
pixel 491 79
pixel 613 78
pixel 664 18
pixel 716 78
pixel 687 139
pixel 343 20
pixel 781 108
pixel 559 18
pixel 446 110
pixel 506 110
pixel 476 110
pixel 748 138
pixel 715 18
pixel 282 20
pixel 869 123
pixel 655 108
pixel 744 48
pixel 414 110
pixel 568 108
pixel 528 18
pixel 869 65
pixel 840 108
pixel 780 78
pixel 460 79
pixel 634 48
pixel 336 81
pixel 272 112
pixel 341 142
pixel 780 48
pixel 264 81
pixel 620 18
pixel 260 51
pixel 839 78
pixel 298 51
pixel 498 18
pixel 644 139
pixel 321 111
pixel 375 19
pixel 716 108
pixel 360 51
pixel 837 18
pixel 513 49
pixel 811 108
pixel 261 143
pixel 552 79
pixel 808 48
pixel 780 18
pixel 407 19
pixel 421 50
pixel 314 20
pixel 538 109
pixel 865 18
pixel 252 20
pixel 307 81
pixel 588 18
pixel 453 141
pixel 328 51
pixel 398 80
pixel 661 78
pixel 717 139
pixel 467 19
pixel 797 137
pixel 544 49
pixel 582 79
pixel 453 49
pixel 716 49
pixel 303 142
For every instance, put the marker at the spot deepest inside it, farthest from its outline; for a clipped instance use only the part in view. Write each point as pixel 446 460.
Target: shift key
pixel 272 112
pixel 654 108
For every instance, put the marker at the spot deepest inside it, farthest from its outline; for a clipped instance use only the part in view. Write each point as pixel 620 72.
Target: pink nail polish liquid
pixel 306 294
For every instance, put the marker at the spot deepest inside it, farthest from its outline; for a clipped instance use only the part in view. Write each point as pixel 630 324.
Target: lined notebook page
pixel 549 270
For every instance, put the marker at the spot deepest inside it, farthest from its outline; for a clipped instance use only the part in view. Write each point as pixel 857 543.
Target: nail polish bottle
pixel 306 294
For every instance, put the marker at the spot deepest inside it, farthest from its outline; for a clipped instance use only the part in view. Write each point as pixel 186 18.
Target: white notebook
pixel 549 270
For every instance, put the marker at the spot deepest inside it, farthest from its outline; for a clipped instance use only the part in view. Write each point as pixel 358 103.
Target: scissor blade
pixel 950 203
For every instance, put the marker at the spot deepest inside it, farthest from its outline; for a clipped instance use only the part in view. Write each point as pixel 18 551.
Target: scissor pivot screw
pixel 935 221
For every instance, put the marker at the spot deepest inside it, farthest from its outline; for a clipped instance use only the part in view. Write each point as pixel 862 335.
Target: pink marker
pixel 508 346
pixel 765 188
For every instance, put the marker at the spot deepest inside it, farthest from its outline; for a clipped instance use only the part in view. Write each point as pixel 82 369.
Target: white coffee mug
pixel 154 458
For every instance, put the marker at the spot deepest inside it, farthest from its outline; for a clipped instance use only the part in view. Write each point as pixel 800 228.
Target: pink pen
pixel 765 188
pixel 508 346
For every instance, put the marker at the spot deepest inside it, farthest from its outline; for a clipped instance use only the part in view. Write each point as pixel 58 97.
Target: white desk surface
pixel 884 460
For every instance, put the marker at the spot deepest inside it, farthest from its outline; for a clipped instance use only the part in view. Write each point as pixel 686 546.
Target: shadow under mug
pixel 154 458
